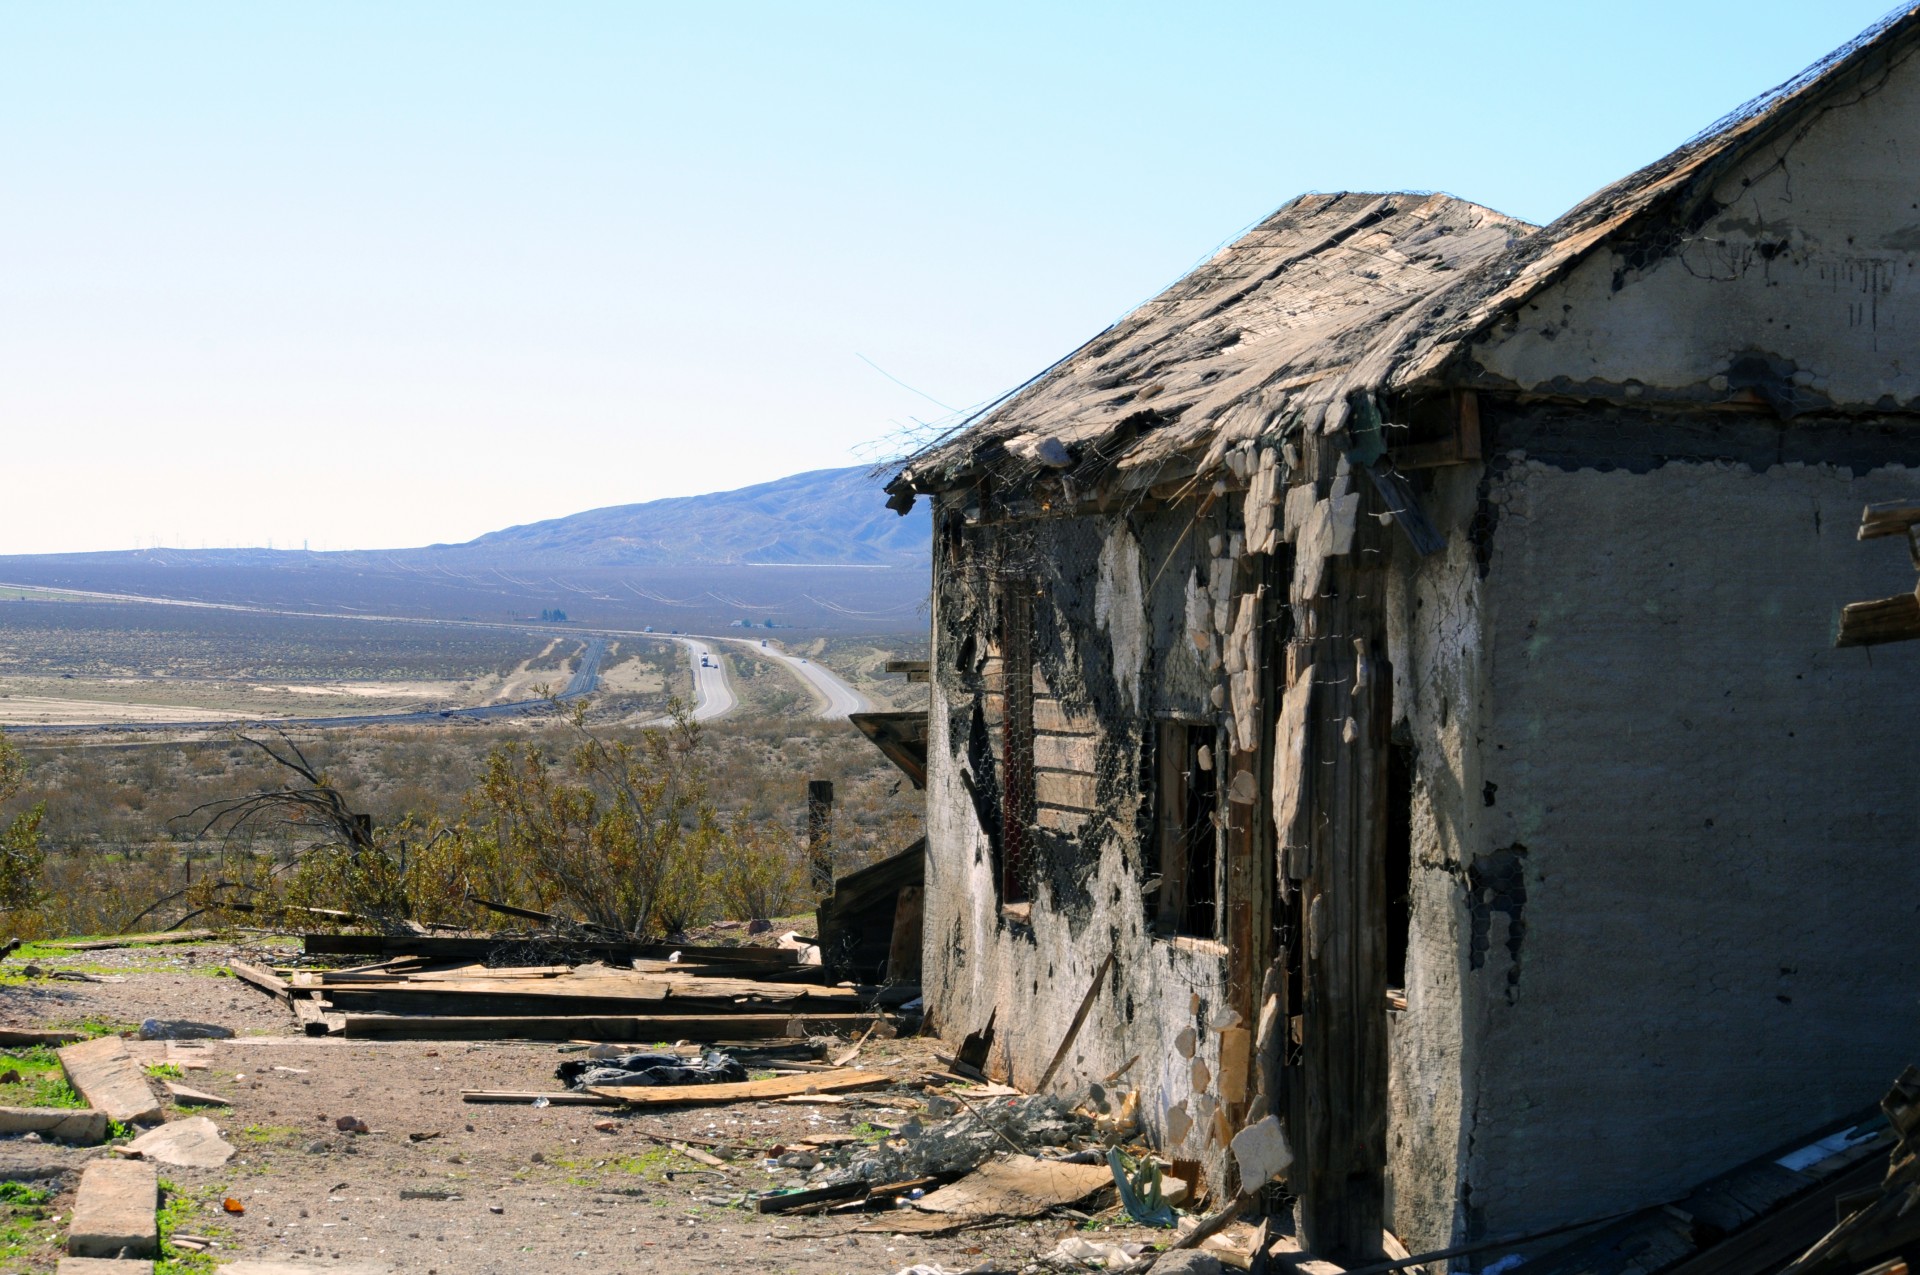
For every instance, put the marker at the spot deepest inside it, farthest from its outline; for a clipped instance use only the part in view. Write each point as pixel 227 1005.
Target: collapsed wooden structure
pixel 487 988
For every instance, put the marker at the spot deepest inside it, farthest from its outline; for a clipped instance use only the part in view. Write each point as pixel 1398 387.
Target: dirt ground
pixel 444 1186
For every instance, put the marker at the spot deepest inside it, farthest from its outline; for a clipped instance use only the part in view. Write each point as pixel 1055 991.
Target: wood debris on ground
pixel 531 988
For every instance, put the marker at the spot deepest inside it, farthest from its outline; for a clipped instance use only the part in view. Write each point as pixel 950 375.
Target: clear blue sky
pixel 377 274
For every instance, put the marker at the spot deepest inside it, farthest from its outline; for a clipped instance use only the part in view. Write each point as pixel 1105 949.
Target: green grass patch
pixel 181 1211
pixel 31 1077
pixel 165 1071
pixel 26 1235
pixel 92 1027
pixel 265 1134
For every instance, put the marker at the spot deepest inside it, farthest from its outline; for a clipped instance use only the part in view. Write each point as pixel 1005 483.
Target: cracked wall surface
pixel 1435 644
pixel 1112 652
pixel 1799 285
pixel 1691 911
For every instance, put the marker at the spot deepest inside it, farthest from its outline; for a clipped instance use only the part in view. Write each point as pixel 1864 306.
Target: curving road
pixel 837 700
pixel 712 693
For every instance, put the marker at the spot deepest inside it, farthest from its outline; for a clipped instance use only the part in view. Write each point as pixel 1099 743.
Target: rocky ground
pixel 440 1185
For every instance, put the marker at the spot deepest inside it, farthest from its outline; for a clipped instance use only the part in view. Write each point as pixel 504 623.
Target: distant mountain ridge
pixel 826 517
pixel 818 551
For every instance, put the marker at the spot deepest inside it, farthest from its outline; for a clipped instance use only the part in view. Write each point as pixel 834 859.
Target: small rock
pixel 496 1208
pixel 316 1148
pixel 351 1124
pixel 182 1029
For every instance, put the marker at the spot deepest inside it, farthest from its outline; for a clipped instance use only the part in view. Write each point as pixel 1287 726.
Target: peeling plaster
pixel 1119 608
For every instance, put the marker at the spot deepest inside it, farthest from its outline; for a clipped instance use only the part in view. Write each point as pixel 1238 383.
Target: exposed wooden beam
pixel 1895 619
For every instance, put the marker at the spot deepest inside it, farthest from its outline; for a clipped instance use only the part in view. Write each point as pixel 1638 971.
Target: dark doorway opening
pixel 1401 759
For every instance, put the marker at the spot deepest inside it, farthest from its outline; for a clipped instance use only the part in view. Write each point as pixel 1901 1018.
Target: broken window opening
pixel 1183 888
pixel 1016 741
pixel 1398 922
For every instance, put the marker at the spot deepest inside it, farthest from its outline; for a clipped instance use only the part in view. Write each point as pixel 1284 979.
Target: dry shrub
pixel 21 857
pixel 758 872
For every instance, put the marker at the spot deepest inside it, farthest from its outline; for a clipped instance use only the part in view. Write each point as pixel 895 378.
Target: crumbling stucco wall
pixel 1111 653
pixel 1686 925
pixel 1434 643
pixel 1799 282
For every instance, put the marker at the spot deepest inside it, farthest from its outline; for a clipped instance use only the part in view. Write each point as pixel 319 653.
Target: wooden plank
pixel 272 984
pixel 187 1096
pixel 481 948
pixel 1079 1020
pixel 848 1080
pixel 102 1072
pixel 642 1028
pixel 113 1213
pixel 70 1124
pixel 1779 1236
pixel 1337 1088
pixel 1060 788
pixel 18 1037
pixel 902 737
pixel 1060 820
pixel 903 956
pixel 794 1201
pixel 585 997
pixel 136 940
pixel 1895 619
pixel 1888 518
pixel 313 1018
pixel 1065 752
pixel 1051 716
pixel 1018 1186
pixel 1236 1059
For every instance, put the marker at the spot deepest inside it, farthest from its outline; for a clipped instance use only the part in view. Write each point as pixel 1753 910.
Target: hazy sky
pixel 379 274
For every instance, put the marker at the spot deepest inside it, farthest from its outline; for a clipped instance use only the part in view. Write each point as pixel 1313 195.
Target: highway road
pixel 712 694
pixel 837 700
pixel 713 697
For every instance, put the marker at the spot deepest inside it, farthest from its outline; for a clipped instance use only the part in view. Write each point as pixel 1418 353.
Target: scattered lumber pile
pixel 1894 619
pixel 1752 1219
pixel 459 988
pixel 1880 1227
pixel 870 926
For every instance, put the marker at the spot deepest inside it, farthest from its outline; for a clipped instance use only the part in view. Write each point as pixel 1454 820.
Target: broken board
pixel 1015 1186
pixel 846 1081
pixel 194 1143
pixel 102 1072
pixel 645 1029
pixel 188 1096
pixel 114 1211
pixel 69 1124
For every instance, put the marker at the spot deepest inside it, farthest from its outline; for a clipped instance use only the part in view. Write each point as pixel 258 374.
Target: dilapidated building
pixel 1387 681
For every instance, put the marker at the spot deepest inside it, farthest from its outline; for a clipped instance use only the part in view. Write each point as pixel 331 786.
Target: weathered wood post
pixel 1337 1094
pixel 820 836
